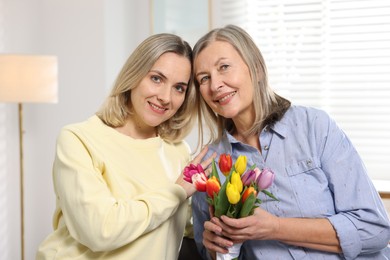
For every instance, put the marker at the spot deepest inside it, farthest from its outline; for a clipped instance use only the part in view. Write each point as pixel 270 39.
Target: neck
pixel 135 130
pixel 252 140
pixel 242 125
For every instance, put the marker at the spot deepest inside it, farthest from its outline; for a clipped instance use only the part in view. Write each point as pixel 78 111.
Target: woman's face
pixel 224 80
pixel 161 92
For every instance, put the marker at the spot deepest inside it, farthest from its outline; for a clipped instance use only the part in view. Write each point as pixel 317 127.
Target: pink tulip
pixel 250 176
pixel 265 179
pixel 190 170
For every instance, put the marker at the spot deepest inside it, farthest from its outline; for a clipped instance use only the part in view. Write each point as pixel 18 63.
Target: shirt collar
pixel 280 128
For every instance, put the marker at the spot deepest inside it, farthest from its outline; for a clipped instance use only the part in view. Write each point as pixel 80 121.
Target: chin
pixel 228 114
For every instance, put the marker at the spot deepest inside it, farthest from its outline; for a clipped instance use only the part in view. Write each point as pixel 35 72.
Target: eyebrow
pixel 163 76
pixel 215 64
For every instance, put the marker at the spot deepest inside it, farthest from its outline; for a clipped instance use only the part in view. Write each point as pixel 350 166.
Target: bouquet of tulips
pixel 237 196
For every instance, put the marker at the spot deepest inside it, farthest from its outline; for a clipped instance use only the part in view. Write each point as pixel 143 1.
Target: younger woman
pixel 117 176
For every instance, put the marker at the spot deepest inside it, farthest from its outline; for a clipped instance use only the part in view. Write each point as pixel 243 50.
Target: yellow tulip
pixel 232 193
pixel 236 181
pixel 240 164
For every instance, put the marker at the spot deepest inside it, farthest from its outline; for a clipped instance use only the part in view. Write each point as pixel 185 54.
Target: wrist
pixel 275 231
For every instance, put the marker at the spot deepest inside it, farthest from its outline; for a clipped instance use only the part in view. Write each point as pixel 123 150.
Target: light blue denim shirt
pixel 318 174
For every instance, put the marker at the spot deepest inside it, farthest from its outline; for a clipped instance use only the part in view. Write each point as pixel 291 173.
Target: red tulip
pixel 225 163
pixel 247 192
pixel 212 186
pixel 199 180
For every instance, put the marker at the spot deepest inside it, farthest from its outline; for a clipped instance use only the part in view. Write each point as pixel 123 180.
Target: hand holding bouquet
pixel 237 196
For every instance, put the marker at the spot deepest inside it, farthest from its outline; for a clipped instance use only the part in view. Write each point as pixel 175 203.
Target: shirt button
pixel 308 162
pixel 266 147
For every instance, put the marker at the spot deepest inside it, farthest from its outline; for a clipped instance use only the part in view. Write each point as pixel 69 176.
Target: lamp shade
pixel 28 78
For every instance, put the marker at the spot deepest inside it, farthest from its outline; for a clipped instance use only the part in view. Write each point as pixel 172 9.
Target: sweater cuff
pixel 180 192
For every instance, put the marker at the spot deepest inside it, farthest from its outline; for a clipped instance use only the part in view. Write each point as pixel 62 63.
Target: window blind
pixel 330 54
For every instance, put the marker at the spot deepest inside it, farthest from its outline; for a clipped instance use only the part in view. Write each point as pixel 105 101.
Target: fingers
pixel 231 231
pixel 214 243
pixel 200 155
pixel 212 239
pixel 237 223
pixel 212 227
pixel 211 211
pixel 199 158
pixel 206 163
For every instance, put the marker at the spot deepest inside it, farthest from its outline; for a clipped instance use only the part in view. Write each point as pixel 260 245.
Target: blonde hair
pixel 115 109
pixel 268 106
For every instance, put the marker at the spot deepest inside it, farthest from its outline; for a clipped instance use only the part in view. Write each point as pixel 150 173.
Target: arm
pixel 92 214
pixel 358 225
pixel 361 221
pixel 311 233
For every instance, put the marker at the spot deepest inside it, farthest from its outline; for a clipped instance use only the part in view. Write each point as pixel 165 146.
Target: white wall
pixel 92 39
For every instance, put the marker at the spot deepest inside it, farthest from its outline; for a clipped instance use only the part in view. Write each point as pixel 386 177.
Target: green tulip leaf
pixel 269 194
pixel 248 205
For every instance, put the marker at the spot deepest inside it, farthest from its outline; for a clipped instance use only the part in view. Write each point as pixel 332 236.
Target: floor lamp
pixel 27 79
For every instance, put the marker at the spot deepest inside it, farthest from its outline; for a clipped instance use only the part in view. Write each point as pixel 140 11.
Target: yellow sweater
pixel 116 197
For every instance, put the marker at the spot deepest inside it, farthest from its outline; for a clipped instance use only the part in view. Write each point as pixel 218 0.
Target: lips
pixel 157 108
pixel 225 97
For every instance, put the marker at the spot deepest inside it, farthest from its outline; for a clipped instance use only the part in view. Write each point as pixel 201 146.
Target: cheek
pixel 178 102
pixel 204 92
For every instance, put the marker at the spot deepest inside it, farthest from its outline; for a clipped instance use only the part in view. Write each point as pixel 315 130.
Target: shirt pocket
pixel 304 166
pixel 310 188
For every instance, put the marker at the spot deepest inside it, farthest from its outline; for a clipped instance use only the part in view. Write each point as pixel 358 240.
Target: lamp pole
pixel 20 108
pixel 27 78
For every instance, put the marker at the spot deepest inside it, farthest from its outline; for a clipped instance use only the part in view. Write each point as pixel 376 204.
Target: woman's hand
pixel 314 233
pixel 189 187
pixel 213 239
pixel 260 226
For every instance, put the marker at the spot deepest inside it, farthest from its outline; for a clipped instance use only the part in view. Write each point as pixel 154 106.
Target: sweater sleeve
pixel 93 216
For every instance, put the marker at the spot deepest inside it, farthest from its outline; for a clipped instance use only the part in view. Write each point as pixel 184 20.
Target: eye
pixel 224 67
pixel 203 80
pixel 155 78
pixel 181 88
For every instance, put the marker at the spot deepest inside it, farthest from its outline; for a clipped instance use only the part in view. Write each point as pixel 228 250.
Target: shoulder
pixel 92 125
pixel 182 146
pixel 93 121
pixel 306 112
pixel 304 115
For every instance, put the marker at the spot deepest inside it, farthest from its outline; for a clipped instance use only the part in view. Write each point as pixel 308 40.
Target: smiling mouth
pixel 158 108
pixel 226 97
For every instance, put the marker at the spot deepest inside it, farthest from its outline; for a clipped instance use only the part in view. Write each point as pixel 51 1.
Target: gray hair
pixel 267 104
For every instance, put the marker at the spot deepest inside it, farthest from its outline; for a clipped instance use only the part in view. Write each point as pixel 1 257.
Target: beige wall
pixel 91 39
pixel 386 202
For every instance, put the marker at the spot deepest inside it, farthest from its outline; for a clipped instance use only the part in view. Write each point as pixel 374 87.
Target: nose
pixel 164 95
pixel 216 83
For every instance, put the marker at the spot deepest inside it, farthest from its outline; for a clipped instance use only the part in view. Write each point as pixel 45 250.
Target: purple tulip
pixel 250 176
pixel 265 179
